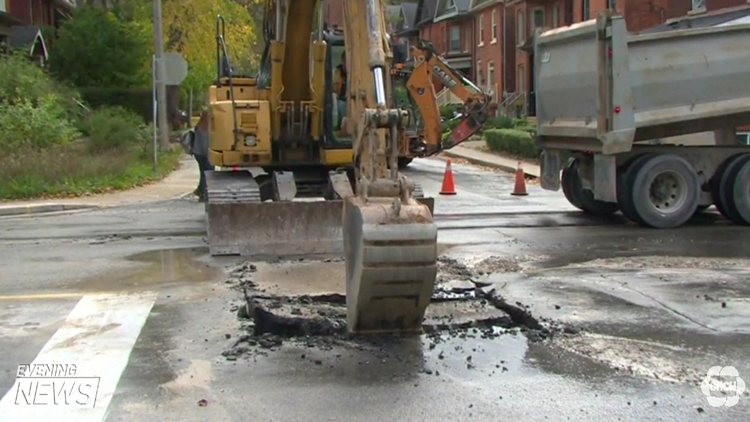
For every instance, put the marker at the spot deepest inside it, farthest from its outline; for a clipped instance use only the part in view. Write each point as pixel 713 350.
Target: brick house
pixel 22 23
pixel 494 48
pixel 453 34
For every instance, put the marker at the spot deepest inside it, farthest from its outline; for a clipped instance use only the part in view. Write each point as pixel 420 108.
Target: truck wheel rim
pixel 668 192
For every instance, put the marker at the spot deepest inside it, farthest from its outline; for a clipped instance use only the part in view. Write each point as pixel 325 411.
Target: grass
pixel 73 170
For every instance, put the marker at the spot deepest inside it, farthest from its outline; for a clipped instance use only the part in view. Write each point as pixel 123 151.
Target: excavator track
pixel 391 256
pixel 239 223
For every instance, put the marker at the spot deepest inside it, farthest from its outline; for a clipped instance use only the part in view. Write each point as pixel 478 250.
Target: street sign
pixel 175 69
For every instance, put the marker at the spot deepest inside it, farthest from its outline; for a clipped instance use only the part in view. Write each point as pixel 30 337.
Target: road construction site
pixel 539 313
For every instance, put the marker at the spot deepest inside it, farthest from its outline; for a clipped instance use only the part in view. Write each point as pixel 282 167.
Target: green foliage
pixel 517 143
pixel 446 111
pixel 34 124
pixel 114 128
pixel 73 170
pixel 138 100
pixel 95 48
pixel 499 122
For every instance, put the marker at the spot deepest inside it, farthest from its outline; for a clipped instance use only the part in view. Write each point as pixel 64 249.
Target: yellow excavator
pixel 293 180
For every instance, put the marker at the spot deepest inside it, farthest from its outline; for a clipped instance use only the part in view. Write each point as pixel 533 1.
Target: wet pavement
pixel 629 319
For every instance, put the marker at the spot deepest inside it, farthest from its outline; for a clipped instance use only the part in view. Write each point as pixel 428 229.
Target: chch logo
pixel 723 386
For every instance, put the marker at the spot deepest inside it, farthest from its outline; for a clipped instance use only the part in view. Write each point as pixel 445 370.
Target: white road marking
pixel 97 337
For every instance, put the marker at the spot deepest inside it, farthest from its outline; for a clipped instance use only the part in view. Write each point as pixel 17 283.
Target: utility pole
pixel 161 89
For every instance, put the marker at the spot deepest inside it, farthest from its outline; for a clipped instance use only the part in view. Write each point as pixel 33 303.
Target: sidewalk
pixel 470 152
pixel 179 183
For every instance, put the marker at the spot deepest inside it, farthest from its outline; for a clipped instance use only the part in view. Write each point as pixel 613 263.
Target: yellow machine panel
pixel 251 145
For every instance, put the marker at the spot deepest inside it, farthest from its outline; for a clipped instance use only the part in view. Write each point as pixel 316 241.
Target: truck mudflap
pixel 391 257
pixel 238 223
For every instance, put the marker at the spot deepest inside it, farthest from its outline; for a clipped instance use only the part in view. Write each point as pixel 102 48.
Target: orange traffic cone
pixel 448 186
pixel 520 188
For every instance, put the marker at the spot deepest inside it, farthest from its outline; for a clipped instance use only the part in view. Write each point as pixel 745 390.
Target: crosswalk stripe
pixel 97 337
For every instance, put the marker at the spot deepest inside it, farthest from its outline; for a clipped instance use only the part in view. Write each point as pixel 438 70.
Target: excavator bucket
pixel 391 268
pixel 240 224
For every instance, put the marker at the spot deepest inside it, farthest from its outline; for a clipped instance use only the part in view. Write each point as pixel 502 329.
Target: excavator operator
pixel 341 90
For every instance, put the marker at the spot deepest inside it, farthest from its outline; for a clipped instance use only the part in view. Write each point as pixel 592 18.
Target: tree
pixel 96 49
pixel 190 29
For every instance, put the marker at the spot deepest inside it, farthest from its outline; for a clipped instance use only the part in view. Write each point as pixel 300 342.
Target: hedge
pixel 518 143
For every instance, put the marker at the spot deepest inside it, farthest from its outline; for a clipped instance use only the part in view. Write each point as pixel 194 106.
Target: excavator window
pixel 335 106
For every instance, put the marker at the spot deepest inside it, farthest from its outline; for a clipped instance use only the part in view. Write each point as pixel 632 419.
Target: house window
pixel 455 39
pixel 467 38
pixel 585 10
pixel 556 16
pixel 479 72
pixel 699 4
pixel 538 18
pixel 491 75
pixel 612 4
pixel 494 26
pixel 521 78
pixel 521 25
pixel 480 18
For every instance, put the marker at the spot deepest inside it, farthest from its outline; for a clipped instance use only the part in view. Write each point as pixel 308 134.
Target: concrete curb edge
pixel 42 208
pixel 487 163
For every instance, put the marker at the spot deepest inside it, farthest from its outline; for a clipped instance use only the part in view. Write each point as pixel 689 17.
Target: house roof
pixel 426 11
pixel 446 10
pixel 475 5
pixel 704 20
pixel 409 14
pixel 27 38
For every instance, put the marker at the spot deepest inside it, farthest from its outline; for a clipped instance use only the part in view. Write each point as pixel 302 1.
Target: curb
pixel 487 163
pixel 42 209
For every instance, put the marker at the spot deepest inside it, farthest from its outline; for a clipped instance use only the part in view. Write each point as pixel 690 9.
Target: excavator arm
pixel 390 239
pixel 428 64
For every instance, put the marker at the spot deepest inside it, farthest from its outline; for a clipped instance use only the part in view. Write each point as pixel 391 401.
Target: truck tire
pixel 585 197
pixel 677 191
pixel 625 178
pixel 717 180
pixel 567 182
pixel 735 190
pixel 718 185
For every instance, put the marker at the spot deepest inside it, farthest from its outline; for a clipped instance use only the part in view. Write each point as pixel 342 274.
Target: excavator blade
pixel 240 224
pixel 390 264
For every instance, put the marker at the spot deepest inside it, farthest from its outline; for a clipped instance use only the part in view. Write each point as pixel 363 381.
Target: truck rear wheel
pixel 625 179
pixel 665 191
pixel 567 181
pixel 736 190
pixel 718 180
pixel 584 197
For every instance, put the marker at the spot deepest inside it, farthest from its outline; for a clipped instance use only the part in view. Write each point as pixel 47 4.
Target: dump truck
pixel 602 94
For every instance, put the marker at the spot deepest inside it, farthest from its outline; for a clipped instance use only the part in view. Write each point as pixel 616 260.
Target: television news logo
pixel 56 384
pixel 723 386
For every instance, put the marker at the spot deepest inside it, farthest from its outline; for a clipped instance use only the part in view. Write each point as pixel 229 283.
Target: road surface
pixel 129 295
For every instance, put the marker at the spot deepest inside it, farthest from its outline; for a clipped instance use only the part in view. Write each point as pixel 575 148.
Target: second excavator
pixel 275 139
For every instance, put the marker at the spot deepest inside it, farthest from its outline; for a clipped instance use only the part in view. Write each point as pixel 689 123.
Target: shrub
pixel 511 141
pixel 34 124
pixel 137 100
pixel 499 122
pixel 111 128
pixel 447 111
